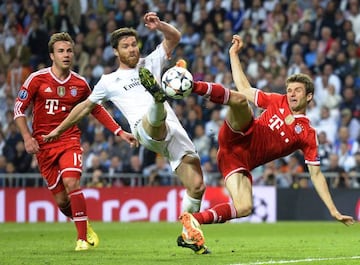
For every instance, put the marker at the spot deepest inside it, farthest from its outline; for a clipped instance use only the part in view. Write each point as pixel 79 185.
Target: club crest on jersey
pixel 23 94
pixel 61 91
pixel 298 128
pixel 73 91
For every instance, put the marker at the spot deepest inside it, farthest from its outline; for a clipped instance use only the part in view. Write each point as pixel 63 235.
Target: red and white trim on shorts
pixel 70 169
pixel 56 182
pixel 234 131
pixel 61 173
pixel 240 169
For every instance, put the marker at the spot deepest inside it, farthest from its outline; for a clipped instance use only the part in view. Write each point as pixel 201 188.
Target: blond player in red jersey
pixel 54 91
pixel 246 142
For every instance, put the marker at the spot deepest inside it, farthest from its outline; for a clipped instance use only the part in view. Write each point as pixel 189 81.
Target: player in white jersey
pixel 151 119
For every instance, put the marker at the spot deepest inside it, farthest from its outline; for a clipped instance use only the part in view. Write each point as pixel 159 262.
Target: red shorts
pixel 233 155
pixel 53 162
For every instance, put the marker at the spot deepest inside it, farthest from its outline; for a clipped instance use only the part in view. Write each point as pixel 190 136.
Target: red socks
pixel 218 214
pixel 78 206
pixel 216 92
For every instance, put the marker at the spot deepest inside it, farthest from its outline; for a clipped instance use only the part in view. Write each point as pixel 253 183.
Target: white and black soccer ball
pixel 177 82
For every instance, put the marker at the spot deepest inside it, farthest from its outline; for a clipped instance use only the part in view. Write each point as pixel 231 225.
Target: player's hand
pixel 237 44
pixel 128 137
pixel 345 219
pixel 152 21
pixel 31 145
pixel 52 136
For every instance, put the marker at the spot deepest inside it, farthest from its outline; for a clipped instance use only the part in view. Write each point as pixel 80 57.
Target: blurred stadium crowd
pixel 281 37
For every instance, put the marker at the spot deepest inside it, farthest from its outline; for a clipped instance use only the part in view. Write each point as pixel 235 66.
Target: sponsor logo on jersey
pixel 23 94
pixel 61 91
pixel 73 91
pixel 48 90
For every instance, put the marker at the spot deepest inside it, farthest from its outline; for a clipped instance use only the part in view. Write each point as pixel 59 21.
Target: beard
pixel 131 61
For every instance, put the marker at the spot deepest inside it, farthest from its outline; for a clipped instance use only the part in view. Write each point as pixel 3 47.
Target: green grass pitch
pixel 304 243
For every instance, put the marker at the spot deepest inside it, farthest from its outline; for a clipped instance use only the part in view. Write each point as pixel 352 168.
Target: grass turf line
pixel 322 243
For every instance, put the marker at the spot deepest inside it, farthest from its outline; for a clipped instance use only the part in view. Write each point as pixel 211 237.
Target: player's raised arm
pixel 77 113
pixel 171 34
pixel 322 189
pixel 241 82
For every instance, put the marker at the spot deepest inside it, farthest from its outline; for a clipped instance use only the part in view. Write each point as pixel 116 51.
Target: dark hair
pixel 304 79
pixel 118 34
pixel 61 36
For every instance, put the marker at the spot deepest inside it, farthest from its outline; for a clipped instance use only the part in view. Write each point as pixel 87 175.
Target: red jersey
pixel 274 134
pixel 52 101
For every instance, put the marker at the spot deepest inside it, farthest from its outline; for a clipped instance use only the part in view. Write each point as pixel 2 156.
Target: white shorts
pixel 175 146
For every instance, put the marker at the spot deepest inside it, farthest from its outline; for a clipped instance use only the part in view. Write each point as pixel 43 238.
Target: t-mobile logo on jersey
pixel 275 122
pixel 52 105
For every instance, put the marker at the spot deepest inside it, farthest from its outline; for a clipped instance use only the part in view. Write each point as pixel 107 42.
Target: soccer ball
pixel 177 82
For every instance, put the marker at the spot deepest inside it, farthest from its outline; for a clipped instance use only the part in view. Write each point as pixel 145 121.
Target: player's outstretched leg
pixel 149 82
pixel 91 237
pixel 193 238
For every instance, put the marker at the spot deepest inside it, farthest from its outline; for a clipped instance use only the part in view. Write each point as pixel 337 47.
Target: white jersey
pixel 124 90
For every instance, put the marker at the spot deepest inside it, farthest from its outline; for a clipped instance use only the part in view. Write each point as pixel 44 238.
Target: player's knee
pixel 71 182
pixel 191 176
pixel 197 189
pixel 239 100
pixel 195 185
pixel 243 209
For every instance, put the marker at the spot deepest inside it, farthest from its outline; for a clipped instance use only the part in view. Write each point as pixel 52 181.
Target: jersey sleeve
pixel 103 116
pixel 310 149
pixel 25 95
pixel 98 95
pixel 264 99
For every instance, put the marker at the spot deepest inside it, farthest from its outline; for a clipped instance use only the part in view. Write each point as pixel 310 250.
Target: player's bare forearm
pixel 241 82
pixel 322 189
pixel 76 114
pixel 31 145
pixel 171 34
pixel 23 127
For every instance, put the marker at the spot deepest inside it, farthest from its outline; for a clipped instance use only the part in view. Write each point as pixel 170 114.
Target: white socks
pixel 189 204
pixel 156 114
